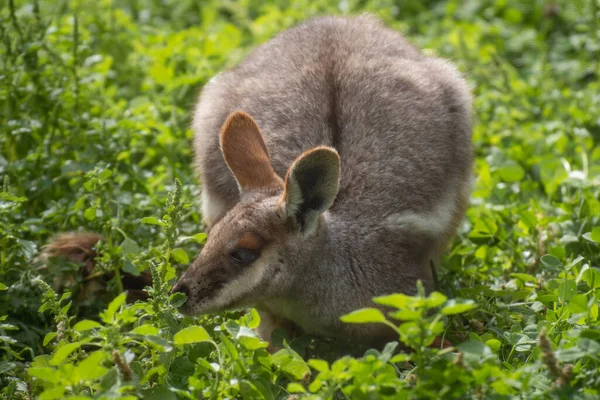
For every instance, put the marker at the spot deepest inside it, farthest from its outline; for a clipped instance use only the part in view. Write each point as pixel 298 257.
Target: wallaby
pixel 335 163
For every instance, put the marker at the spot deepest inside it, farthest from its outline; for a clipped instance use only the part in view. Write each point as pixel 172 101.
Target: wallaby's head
pixel 252 253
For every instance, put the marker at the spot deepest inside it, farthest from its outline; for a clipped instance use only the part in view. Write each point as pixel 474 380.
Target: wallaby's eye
pixel 244 256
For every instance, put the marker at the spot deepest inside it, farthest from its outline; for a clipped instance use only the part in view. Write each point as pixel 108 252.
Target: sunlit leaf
pixel 191 334
pixel 456 306
pixel 85 325
pixel 364 315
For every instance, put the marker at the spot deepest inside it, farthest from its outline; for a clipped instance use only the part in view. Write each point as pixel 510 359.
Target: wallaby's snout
pixel 238 262
pixel 181 287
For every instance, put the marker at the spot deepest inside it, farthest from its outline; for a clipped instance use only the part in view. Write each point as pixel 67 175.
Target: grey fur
pixel 401 123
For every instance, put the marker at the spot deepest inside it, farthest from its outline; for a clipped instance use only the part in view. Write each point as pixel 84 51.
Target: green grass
pixel 95 100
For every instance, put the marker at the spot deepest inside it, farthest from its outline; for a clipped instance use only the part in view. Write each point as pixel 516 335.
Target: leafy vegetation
pixel 94 135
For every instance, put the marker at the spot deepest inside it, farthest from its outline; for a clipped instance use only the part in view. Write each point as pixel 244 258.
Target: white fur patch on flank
pixel 436 221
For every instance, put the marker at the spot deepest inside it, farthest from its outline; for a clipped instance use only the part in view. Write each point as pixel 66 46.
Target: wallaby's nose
pixel 181 288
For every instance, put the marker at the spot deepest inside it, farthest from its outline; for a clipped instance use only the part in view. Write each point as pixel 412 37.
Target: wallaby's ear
pixel 311 185
pixel 246 154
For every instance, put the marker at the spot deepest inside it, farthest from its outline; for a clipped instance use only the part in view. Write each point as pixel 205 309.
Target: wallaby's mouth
pixel 205 308
pixel 206 302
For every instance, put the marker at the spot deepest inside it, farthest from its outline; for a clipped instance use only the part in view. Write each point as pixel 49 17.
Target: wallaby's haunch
pixel 336 163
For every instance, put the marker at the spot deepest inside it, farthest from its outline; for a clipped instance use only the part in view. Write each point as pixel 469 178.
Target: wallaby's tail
pixel 73 246
pixel 79 247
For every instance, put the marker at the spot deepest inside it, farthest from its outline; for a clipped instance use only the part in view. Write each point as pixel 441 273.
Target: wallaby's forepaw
pixel 268 324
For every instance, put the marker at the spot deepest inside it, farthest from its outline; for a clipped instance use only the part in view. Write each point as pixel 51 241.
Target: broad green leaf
pixel 90 214
pixel 475 351
pixel 251 319
pixel 130 268
pixel 198 238
pixel 295 388
pixel 566 290
pixel 591 277
pixel 574 262
pixel 3 286
pixel 108 316
pixel 484 227
pixel 551 262
pixel 49 336
pixel 578 304
pixel 571 354
pixel 494 345
pixel 91 368
pixel 397 300
pixel 591 333
pixel 252 343
pixel 129 246
pixel 158 343
pixel 158 393
pixel 9 197
pixel 319 365
pixel 191 334
pixel 152 221
pixel 593 236
pixel 243 331
pixel 145 330
pixel 435 299
pixel 63 352
pixel 511 172
pixel 524 277
pixel 590 347
pixel 47 374
pixel 364 315
pixel 402 357
pixel 291 363
pixel 86 325
pixel 528 218
pixel 180 256
pixel 250 389
pixel 107 173
pixel 55 393
pixel 406 315
pixel 388 351
pixel 456 306
pixel 177 299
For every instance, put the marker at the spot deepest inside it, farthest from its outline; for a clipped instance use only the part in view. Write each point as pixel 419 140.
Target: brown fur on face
pixel 251 241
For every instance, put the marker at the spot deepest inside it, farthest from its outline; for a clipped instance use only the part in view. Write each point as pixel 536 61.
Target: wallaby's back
pixel 399 120
pixel 401 124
